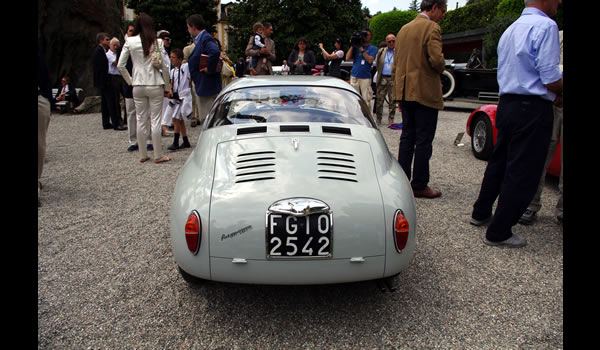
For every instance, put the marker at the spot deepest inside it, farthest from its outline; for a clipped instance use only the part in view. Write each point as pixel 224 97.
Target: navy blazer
pixel 100 65
pixel 207 83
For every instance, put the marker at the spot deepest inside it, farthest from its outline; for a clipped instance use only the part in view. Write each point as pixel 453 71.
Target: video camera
pixel 358 38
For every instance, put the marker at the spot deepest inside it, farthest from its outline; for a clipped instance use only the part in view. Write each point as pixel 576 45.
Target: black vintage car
pixel 470 80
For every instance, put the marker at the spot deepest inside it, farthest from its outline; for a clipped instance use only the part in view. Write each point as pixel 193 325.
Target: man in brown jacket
pixel 269 50
pixel 418 63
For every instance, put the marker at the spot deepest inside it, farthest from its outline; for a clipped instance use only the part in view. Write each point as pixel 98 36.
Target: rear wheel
pixel 481 137
pixel 448 84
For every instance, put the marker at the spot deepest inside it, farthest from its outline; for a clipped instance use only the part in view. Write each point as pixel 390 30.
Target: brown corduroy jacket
pixel 418 63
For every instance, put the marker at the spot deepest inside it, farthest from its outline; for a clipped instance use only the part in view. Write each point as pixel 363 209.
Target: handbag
pixel 227 71
pixel 157 57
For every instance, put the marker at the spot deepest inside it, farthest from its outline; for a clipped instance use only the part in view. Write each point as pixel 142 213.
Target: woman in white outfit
pixel 150 85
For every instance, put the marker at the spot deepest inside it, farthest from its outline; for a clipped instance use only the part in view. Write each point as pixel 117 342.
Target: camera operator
pixel 362 57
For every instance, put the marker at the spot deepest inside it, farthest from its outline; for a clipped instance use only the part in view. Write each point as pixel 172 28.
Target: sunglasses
pixel 167 39
pixel 391 41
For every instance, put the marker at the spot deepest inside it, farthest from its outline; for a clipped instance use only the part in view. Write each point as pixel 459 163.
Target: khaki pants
pixel 385 88
pixel 536 203
pixel 363 87
pixel 204 103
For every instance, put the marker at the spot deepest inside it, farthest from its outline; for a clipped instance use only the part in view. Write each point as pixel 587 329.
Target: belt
pixel 516 97
pixel 386 76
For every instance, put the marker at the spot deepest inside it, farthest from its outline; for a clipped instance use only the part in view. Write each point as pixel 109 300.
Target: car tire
pixel 481 137
pixel 448 84
pixel 193 281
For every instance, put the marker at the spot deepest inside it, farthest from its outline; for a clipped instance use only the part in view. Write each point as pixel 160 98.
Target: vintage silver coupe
pixel 291 182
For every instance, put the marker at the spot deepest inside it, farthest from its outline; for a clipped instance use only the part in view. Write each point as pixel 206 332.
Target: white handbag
pixel 157 57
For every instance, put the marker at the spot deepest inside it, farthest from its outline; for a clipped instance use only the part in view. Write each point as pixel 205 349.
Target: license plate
pixel 308 236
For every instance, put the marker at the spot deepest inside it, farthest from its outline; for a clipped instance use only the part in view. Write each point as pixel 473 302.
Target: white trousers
pixel 131 120
pixel 148 101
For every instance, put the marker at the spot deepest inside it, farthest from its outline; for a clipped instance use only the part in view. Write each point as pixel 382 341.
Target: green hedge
pixel 389 22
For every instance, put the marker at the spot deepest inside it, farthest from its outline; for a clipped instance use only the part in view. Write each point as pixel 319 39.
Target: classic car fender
pixel 553 169
pixel 490 112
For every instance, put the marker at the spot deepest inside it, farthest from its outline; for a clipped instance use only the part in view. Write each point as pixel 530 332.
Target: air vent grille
pixel 336 130
pixel 251 130
pixel 255 166
pixel 294 128
pixel 333 165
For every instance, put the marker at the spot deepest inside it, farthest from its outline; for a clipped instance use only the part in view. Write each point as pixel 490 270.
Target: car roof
pixel 287 80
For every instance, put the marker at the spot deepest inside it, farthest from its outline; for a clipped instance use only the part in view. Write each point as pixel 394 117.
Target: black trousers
pixel 512 175
pixel 108 108
pixel 419 123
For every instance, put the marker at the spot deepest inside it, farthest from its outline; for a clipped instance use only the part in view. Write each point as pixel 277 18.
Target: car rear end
pixel 293 203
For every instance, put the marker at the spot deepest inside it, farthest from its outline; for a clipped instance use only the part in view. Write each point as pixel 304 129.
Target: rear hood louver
pixel 336 166
pixel 254 166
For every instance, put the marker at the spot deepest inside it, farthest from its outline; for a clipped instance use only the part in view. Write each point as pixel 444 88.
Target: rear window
pixel 290 104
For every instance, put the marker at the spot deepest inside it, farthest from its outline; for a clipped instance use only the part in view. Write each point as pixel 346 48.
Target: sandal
pixel 162 159
pixel 142 160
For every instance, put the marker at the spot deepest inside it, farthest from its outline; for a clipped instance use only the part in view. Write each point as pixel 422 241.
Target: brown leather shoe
pixel 427 193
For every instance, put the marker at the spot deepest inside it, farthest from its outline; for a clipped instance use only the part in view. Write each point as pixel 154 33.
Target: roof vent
pixel 337 130
pixel 251 130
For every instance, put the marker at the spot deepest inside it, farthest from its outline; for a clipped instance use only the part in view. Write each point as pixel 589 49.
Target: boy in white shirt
pixel 180 100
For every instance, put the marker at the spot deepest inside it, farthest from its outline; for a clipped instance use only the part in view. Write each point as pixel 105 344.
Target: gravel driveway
pixel 107 278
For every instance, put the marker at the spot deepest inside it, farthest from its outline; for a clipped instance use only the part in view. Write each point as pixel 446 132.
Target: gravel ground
pixel 107 278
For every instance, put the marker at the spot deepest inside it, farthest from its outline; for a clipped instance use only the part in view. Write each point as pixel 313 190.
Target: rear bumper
pixel 297 272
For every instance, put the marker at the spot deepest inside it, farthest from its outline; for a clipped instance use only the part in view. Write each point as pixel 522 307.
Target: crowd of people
pixel 177 86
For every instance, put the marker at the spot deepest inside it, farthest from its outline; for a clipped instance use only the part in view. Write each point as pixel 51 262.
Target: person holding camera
pixel 301 59
pixel 335 58
pixel 362 53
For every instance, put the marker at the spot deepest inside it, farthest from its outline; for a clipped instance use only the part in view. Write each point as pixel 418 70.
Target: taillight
pixel 193 232
pixel 400 230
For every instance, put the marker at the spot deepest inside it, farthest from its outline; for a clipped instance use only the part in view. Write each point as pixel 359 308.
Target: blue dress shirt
pixel 529 55
pixel 388 61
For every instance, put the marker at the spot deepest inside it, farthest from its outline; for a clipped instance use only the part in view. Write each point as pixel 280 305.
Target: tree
pixel 315 20
pixel 414 6
pixel 171 15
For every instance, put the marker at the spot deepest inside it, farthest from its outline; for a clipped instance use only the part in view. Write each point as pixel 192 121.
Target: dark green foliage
pixel 315 20
pixel 474 16
pixel 171 14
pixel 495 15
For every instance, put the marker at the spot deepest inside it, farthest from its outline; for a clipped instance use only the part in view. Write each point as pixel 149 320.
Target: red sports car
pixel 481 126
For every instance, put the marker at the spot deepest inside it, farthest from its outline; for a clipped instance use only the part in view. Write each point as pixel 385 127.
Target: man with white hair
pixel 530 82
pixel 116 81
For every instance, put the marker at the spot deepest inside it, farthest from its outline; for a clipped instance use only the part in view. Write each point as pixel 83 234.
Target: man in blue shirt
pixel 360 76
pixel 530 81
